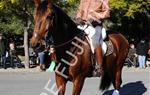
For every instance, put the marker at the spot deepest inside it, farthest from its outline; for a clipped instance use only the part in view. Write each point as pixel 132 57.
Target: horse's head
pixel 43 20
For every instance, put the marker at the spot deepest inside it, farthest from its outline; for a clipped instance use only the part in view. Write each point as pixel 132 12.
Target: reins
pixel 65 43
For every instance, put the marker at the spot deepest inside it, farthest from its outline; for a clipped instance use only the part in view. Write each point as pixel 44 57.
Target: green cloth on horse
pixel 52 66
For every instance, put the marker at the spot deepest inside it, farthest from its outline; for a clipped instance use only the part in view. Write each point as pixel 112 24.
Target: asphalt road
pixel 24 82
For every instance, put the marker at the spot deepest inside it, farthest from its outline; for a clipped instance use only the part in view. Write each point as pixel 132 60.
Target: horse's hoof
pixel 116 92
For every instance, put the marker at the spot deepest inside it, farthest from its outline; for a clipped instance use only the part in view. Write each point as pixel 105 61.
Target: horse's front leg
pixel 78 84
pixel 61 84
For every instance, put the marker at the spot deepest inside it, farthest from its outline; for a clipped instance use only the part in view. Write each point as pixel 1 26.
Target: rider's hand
pixel 79 21
pixel 94 22
pixel 91 21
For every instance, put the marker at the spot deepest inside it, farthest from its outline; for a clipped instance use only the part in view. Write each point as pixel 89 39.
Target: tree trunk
pixel 26 49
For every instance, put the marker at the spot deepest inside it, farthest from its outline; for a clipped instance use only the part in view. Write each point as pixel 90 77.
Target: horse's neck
pixel 65 31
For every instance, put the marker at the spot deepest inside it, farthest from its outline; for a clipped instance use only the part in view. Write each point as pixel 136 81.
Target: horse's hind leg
pixel 78 84
pixel 61 84
pixel 117 81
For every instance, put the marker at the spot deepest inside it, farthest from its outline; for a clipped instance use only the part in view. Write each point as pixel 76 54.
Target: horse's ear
pixel 37 2
pixel 49 2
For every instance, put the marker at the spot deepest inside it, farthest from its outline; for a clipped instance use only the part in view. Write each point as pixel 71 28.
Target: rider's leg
pixel 97 42
pixel 98 49
pixel 95 37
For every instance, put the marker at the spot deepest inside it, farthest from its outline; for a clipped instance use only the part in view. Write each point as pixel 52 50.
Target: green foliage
pixel 13 1
pixel 14 14
pixel 7 3
pixel 10 24
pixel 131 7
pixel 117 4
pixel 138 6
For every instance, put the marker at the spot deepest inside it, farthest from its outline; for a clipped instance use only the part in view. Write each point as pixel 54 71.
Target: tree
pixel 131 16
pixel 21 11
pixel 9 23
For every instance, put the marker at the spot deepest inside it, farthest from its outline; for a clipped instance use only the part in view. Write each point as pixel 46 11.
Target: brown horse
pixel 73 52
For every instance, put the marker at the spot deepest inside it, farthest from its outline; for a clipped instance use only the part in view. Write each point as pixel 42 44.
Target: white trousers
pixel 96 36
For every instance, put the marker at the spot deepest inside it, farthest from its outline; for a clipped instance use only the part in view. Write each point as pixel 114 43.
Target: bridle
pixel 48 17
pixel 49 34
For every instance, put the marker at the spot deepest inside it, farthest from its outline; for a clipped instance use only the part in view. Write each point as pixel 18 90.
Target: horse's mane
pixel 42 7
pixel 69 24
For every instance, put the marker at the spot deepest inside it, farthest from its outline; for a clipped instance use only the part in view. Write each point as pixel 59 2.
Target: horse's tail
pixel 105 81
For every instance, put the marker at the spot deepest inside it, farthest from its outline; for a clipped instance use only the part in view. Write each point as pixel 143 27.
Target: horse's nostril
pixel 32 45
pixel 33 42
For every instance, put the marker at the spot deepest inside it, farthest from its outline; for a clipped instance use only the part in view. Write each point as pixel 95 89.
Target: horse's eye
pixel 50 17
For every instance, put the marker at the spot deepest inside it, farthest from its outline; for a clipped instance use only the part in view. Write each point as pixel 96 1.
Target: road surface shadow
pixel 134 88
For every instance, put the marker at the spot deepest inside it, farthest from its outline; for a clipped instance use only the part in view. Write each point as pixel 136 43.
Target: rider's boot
pixel 99 61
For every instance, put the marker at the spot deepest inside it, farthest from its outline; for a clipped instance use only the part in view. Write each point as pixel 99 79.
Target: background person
pixel 142 49
pixel 3 50
pixel 13 54
pixel 40 51
pixel 132 56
